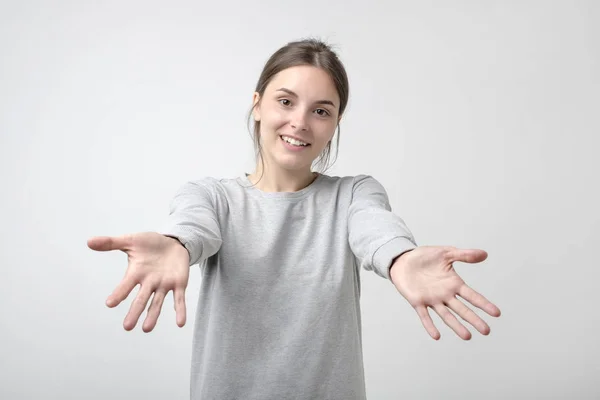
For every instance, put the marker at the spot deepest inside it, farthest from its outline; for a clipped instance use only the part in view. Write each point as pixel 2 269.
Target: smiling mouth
pixel 294 142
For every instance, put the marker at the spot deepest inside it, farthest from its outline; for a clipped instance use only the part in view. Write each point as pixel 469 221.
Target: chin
pixel 292 163
pixel 293 166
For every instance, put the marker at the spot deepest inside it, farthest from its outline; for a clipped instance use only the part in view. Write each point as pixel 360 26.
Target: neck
pixel 280 180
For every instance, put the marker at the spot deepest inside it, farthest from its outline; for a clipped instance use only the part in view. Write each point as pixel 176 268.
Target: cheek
pixel 273 118
pixel 326 130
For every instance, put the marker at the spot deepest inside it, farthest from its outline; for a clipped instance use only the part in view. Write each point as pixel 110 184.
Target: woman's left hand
pixel 426 278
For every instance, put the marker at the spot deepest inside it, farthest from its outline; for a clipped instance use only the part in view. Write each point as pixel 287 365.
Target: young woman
pixel 281 250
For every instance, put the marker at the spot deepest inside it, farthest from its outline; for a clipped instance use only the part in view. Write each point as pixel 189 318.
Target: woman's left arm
pixel 424 275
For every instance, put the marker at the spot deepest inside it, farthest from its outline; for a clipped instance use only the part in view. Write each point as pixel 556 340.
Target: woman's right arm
pixel 193 220
pixel 158 262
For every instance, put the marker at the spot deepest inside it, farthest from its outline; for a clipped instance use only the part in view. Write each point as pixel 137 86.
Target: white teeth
pixel 294 141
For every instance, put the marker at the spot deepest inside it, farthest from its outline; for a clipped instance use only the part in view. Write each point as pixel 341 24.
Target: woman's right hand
pixel 158 264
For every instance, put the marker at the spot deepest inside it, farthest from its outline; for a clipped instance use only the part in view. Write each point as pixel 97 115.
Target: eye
pixel 322 112
pixel 284 102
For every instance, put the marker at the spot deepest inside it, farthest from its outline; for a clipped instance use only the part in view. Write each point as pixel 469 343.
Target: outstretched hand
pixel 426 278
pixel 158 264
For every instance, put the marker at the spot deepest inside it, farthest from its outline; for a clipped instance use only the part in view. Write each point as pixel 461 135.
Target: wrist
pixel 397 261
pixel 178 246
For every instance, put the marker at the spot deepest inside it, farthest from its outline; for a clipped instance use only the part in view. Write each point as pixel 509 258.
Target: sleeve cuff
pixel 384 255
pixel 185 236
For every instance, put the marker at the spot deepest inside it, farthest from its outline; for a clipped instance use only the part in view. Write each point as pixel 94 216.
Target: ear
pixel 256 106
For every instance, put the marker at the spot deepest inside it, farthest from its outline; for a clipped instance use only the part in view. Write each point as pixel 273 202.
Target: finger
pixel 450 320
pixel 468 315
pixel 467 255
pixel 427 322
pixel 109 243
pixel 137 307
pixel 154 310
pixel 478 300
pixel 121 292
pixel 179 299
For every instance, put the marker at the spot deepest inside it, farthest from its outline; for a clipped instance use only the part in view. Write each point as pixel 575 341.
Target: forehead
pixel 311 82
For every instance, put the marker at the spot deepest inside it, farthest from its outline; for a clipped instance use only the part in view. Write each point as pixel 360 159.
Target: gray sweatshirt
pixel 278 314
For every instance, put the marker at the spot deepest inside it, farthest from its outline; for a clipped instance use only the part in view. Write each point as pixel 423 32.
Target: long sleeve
pixel 376 235
pixel 193 220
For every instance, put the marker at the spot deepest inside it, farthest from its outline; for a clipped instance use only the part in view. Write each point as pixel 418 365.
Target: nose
pixel 298 120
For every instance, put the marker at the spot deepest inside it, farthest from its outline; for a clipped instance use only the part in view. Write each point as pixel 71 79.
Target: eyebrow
pixel 291 93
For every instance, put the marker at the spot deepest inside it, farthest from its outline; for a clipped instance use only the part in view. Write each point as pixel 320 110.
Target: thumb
pixel 468 255
pixel 108 243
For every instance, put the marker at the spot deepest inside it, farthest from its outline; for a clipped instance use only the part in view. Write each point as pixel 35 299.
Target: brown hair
pixel 311 52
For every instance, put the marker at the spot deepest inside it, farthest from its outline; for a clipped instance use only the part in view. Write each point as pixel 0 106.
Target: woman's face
pixel 298 115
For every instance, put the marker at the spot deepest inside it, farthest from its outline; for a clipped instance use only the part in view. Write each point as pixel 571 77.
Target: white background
pixel 481 119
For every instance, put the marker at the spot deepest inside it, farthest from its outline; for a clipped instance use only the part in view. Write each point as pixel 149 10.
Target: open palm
pixel 426 278
pixel 158 264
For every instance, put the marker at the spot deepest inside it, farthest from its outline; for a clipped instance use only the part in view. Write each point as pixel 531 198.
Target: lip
pixel 296 137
